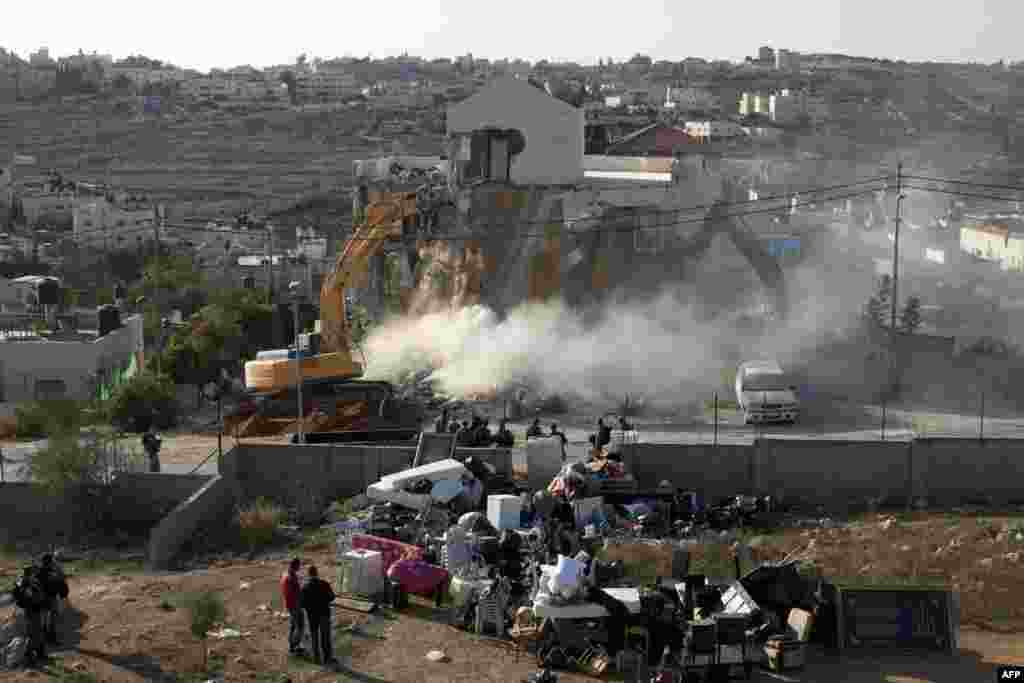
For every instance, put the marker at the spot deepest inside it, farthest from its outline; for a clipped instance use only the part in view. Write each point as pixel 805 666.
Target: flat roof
pixel 629 175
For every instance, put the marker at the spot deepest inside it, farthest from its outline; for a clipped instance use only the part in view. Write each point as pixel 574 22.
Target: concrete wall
pixel 820 471
pixel 211 504
pixel 27 512
pixel 138 501
pixel 946 470
pixel 716 471
pixel 142 499
pixel 291 474
pixel 835 473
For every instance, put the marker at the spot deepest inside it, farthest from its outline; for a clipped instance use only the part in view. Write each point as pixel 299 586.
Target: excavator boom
pixel 383 222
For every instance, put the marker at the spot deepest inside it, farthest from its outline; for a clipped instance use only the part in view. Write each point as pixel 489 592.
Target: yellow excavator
pixel 337 403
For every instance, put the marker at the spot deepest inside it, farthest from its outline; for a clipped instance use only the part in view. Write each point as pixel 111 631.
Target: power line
pixel 616 229
pixel 958 193
pixel 990 186
pixel 586 219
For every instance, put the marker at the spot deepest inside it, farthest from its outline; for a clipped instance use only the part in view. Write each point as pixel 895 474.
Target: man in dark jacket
pixel 317 596
pixel 291 589
pixel 504 437
pixel 55 586
pixel 30 595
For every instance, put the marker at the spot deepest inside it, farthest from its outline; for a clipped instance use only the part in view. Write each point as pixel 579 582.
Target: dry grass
pixel 978 557
pixel 258 523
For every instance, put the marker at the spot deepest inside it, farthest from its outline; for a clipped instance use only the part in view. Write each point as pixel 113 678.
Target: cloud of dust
pixel 662 348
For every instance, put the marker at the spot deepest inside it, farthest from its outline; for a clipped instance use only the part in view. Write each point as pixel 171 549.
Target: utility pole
pixel 896 246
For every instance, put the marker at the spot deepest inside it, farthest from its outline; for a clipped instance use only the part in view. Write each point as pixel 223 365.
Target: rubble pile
pixel 566 563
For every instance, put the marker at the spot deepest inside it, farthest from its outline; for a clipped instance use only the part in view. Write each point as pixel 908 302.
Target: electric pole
pixel 896 246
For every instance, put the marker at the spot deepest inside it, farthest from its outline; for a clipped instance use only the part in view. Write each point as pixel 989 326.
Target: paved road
pixel 15 458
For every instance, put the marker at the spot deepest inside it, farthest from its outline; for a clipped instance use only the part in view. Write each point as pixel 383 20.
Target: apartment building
pixel 74 362
pixel 98 221
pixel 691 98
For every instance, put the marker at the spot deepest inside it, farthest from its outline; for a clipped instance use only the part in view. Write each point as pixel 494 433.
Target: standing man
pixel 291 590
pixel 30 595
pixel 151 443
pixel 55 587
pixel 317 596
pixel 564 440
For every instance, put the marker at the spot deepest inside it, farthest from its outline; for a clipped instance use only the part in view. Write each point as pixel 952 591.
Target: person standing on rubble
pixel 291 589
pixel 30 595
pixel 504 437
pixel 564 440
pixel 55 587
pixel 535 431
pixel 604 433
pixel 441 426
pixel 317 596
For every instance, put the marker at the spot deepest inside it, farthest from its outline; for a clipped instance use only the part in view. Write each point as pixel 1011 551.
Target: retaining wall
pixel 835 473
pixel 820 471
pixel 293 473
pixel 211 504
pixel 138 501
pixel 141 499
pixel 716 470
pixel 27 512
pixel 947 470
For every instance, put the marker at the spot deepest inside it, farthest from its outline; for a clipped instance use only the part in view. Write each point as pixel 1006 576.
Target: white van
pixel 765 393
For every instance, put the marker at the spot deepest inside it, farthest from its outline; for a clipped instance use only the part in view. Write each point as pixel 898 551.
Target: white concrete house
pixel 553 132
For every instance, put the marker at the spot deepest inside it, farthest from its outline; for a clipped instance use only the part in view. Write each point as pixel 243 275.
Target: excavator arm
pixel 383 222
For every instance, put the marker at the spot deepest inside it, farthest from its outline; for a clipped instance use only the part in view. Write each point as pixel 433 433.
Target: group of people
pixel 308 601
pixel 477 433
pixel 603 436
pixel 40 592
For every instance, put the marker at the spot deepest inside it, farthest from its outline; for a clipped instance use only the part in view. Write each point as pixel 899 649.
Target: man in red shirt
pixel 291 588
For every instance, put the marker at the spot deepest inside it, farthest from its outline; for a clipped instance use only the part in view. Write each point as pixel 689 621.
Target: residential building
pixel 76 362
pixel 754 103
pixel 40 59
pixel 998 239
pixel 788 61
pixel 709 131
pixel 99 222
pixel 656 139
pixel 766 55
pixel 552 132
pixel 53 208
pixel 691 98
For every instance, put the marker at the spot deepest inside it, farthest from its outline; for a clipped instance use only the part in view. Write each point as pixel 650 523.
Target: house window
pixel 50 389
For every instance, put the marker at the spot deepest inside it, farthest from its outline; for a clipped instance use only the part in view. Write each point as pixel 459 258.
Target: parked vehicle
pixel 765 393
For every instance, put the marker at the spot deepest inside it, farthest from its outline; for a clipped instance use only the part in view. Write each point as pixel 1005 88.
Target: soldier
pixel 151 443
pixel 30 596
pixel 55 586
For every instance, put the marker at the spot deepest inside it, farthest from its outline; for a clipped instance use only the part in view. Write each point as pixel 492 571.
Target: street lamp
pixel 295 291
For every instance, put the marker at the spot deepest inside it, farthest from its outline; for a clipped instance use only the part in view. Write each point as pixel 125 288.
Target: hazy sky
pixel 224 33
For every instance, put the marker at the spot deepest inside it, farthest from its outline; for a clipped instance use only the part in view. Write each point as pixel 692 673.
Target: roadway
pixel 16 456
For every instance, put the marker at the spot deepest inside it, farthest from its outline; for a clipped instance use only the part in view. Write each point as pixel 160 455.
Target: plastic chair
pixel 702 641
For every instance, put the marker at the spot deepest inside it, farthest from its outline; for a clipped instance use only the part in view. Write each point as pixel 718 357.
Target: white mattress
pixel 435 471
pixel 383 492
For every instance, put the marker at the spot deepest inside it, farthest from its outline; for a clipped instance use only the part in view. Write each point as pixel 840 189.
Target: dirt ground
pixel 121 627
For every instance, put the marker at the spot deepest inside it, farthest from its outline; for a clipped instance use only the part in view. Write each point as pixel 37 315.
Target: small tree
pixel 878 304
pixel 910 318
pixel 144 400
pixel 205 610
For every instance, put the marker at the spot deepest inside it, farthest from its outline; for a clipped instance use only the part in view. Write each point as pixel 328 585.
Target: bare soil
pixel 119 631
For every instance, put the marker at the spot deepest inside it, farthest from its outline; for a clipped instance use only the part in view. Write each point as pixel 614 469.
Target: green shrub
pixel 44 418
pixel 205 610
pixel 144 400
pixel 258 523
